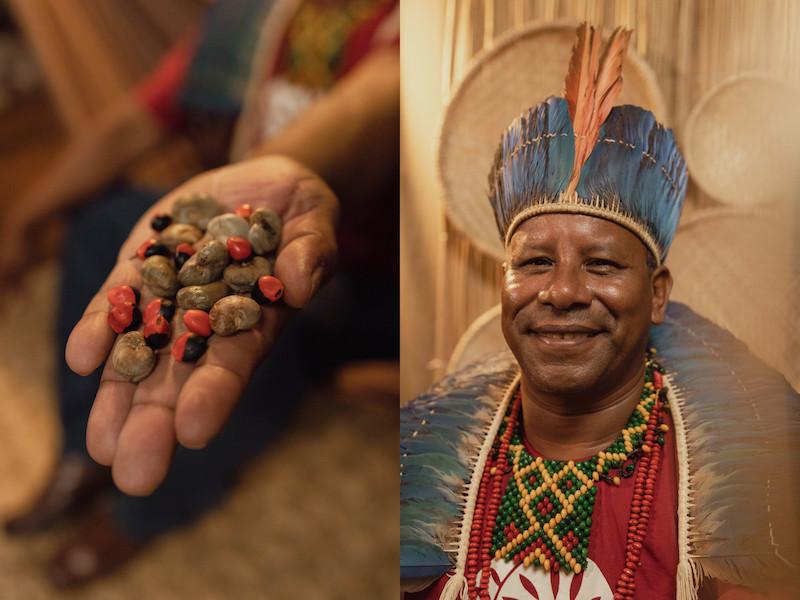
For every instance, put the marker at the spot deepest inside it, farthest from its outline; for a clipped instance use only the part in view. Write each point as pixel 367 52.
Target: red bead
pixel 184 248
pixel 122 314
pixel 244 211
pixel 121 294
pixel 267 289
pixel 157 332
pixel 197 321
pixel 143 248
pixel 239 248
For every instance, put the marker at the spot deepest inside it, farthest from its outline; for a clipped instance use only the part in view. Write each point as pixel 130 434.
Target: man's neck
pixel 558 431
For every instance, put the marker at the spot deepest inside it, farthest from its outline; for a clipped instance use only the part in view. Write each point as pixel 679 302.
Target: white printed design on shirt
pixel 517 582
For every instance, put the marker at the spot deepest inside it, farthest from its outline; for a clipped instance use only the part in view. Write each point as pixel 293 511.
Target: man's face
pixel 578 301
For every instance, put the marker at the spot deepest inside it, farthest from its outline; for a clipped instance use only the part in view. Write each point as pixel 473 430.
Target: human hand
pixel 134 427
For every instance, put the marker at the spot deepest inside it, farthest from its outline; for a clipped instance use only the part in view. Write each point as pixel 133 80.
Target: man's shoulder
pixel 441 431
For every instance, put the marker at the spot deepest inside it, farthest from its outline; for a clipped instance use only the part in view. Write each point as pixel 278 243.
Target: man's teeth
pixel 566 335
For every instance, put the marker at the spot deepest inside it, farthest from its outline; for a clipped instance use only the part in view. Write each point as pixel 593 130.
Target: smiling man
pixel 614 455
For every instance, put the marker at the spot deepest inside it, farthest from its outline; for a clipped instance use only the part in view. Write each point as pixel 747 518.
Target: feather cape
pixel 737 427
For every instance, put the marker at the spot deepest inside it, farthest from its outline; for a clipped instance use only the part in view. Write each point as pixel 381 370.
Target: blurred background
pixel 722 74
pixel 320 525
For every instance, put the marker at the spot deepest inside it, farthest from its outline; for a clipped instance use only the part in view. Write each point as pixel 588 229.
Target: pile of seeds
pixel 217 267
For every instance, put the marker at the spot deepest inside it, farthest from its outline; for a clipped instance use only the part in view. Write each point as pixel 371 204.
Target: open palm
pixel 134 427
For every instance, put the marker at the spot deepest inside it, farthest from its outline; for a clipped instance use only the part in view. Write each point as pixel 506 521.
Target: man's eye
pixel 537 261
pixel 601 264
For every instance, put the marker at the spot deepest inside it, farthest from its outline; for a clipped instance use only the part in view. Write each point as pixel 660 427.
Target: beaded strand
pixel 497 533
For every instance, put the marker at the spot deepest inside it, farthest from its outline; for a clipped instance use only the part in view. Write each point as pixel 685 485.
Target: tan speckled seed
pixel 180 233
pixel 227 225
pixel 234 313
pixel 158 274
pixel 241 277
pixel 195 209
pixel 132 357
pixel 265 230
pixel 202 297
pixel 206 265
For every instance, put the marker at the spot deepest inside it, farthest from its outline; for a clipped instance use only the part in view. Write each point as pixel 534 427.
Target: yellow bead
pixel 542 559
pixel 602 455
pixel 546 565
pixel 583 489
pixel 526 534
pixel 571 562
pixel 559 545
pixel 617 480
pixel 563 551
pixel 577 568
pixel 563 513
pixel 519 538
pixel 558 518
pixel 596 475
pixel 537 553
pixel 568 557
pixel 664 427
pixel 498 555
pixel 527 561
pixel 646 449
pixel 493 470
pixel 570 509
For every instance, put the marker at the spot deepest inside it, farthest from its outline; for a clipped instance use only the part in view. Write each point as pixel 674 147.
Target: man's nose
pixel 567 288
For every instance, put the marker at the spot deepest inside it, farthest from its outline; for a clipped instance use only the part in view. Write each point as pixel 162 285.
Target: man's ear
pixel 661 282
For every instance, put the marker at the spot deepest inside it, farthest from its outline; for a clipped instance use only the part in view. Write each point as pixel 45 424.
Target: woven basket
pixel 738 144
pixel 520 70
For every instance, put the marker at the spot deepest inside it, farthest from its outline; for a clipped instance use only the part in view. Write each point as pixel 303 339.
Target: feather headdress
pixel 579 155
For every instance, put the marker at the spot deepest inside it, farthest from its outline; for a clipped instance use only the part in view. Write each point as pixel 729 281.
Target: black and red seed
pixel 151 248
pixel 157 332
pixel 161 222
pixel 159 306
pixel 189 347
pixel 182 254
pixel 123 318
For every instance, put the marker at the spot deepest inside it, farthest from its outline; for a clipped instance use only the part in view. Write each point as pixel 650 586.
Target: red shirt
pixel 655 578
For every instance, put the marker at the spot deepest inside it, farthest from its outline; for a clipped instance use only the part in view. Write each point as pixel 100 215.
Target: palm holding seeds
pixel 221 262
pixel 177 377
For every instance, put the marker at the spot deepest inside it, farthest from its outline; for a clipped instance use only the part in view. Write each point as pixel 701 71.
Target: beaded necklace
pixel 544 516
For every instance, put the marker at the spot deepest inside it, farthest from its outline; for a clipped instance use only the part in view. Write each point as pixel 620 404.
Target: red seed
pixel 156 332
pixel 179 346
pixel 143 248
pixel 244 211
pixel 121 294
pixel 122 313
pixel 157 325
pixel 267 289
pixel 184 249
pixel 197 321
pixel 115 324
pixel 152 309
pixel 239 248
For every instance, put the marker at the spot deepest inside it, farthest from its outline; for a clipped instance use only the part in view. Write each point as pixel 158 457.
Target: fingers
pixel 144 449
pixel 214 387
pixel 308 253
pixel 109 412
pixel 91 339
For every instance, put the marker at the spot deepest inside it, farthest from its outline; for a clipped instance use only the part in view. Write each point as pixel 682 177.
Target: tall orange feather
pixel 592 85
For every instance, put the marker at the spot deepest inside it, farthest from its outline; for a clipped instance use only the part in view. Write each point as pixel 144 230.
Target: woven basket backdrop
pixel 692 46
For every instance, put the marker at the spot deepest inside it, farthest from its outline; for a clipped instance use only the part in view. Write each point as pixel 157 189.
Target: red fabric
pixel 362 39
pixel 655 578
pixel 158 92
